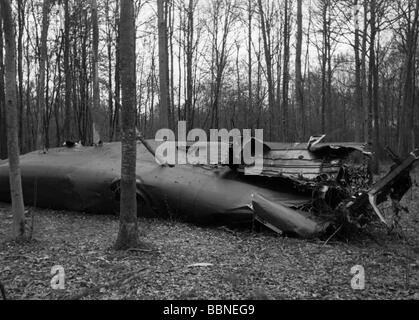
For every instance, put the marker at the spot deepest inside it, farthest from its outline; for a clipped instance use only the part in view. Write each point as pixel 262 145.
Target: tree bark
pixel 42 63
pixel 268 62
pixel 110 85
pixel 285 76
pixel 189 58
pixel 358 101
pixel 95 49
pixel 372 99
pixel 364 84
pixel 406 141
pixel 21 24
pixel 249 61
pixel 67 73
pixel 324 101
pixel 128 227
pixel 3 131
pixel 298 76
pixel 164 105
pixel 12 123
pixel 116 120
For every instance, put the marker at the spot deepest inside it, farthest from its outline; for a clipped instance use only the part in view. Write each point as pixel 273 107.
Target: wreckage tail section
pixel 282 219
pixel 394 186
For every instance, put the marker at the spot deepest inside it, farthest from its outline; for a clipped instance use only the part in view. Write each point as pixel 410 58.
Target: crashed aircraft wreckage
pixel 307 190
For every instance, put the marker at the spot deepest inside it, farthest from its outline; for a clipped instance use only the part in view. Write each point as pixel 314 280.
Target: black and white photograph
pixel 209 156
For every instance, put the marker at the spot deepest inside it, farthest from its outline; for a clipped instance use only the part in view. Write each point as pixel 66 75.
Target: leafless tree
pixel 128 227
pixel 16 192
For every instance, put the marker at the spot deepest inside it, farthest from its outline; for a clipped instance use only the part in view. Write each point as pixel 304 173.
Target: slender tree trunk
pixel 42 69
pixel 268 62
pixel 116 126
pixel 189 58
pixel 371 84
pixel 128 227
pixel 179 95
pixel 29 122
pixel 329 110
pixel 3 131
pixel 110 85
pixel 95 49
pixel 358 101
pixel 406 141
pixel 67 73
pixel 324 67
pixel 12 123
pixel 299 88
pixel 57 103
pixel 164 104
pixel 364 82
pixel 307 70
pixel 280 36
pixel 170 14
pixel 249 61
pixel 21 24
pixel 285 77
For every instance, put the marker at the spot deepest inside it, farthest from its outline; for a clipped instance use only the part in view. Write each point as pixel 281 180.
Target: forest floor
pixel 243 264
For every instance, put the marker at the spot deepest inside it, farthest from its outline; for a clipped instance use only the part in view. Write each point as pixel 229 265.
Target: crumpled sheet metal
pixel 306 161
pixel 86 180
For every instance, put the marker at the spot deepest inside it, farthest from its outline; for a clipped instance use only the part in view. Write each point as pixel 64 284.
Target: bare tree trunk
pixel 95 49
pixel 324 67
pixel 128 227
pixel 21 24
pixel 67 73
pixel 249 58
pixel 307 69
pixel 153 85
pixel 371 84
pixel 164 104
pixel 170 14
pixel 258 82
pixel 12 123
pixel 364 75
pixel 219 59
pixel 279 61
pixel 298 76
pixel 406 141
pixel 189 58
pixel 116 121
pixel 110 85
pixel 29 123
pixel 42 69
pixel 329 110
pixel 268 62
pixel 3 131
pixel 285 77
pixel 358 101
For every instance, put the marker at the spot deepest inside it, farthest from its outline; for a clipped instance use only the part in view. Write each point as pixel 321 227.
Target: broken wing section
pixel 282 219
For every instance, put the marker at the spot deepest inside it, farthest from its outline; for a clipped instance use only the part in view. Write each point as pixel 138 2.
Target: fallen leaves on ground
pixel 192 262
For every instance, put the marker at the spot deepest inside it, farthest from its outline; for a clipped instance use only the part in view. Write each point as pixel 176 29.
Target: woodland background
pixel 295 68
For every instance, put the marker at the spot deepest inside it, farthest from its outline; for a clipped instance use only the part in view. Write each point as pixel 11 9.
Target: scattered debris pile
pixel 338 178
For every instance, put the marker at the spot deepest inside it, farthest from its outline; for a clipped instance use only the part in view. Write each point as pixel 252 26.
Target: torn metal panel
pixel 307 162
